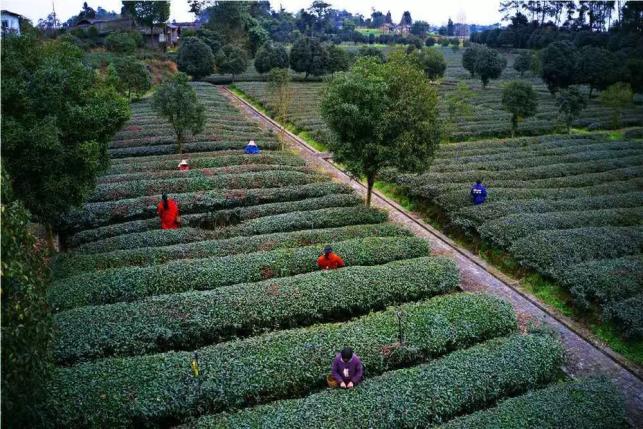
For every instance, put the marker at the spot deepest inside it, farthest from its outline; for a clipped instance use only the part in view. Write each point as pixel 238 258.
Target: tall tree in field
pixel 596 67
pixel 133 76
pixel 519 99
pixel 195 58
pixel 469 57
pixel 231 59
pixel 432 62
pixel 558 65
pixel 617 96
pixel 338 59
pixel 279 85
pixel 489 65
pixel 382 115
pixel 570 103
pixel 271 56
pixel 522 63
pixel 176 102
pixel 148 13
pixel 57 119
pixel 309 56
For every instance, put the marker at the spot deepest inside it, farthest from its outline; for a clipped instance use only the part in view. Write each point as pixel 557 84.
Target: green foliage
pixel 522 63
pixel 588 403
pixel 417 396
pixel 72 263
pixel 270 56
pixel 148 13
pixel 519 99
pixel 195 58
pixel 627 315
pixel 570 103
pixel 209 37
pixel 176 102
pixel 58 117
pixel 133 76
pixel 188 320
pixel 309 56
pixel 272 366
pixel 26 318
pixel 432 62
pixel 458 107
pixel 263 179
pixel 558 65
pixel 338 59
pixel 617 97
pixel 384 115
pixel 124 42
pixel 469 57
pixel 133 284
pixel 231 59
pixel 489 64
pixel 371 51
pixel 596 67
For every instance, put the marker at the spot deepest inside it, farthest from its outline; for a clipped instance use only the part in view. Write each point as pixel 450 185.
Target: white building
pixel 10 22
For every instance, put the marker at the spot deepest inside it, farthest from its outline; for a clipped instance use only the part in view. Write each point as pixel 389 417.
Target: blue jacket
pixel 478 194
pixel 252 149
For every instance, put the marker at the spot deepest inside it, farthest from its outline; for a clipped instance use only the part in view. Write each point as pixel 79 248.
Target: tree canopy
pixel 231 59
pixel 270 56
pixel 558 65
pixel 382 115
pixel 522 63
pixel 489 65
pixel 133 77
pixel 58 117
pixel 519 99
pixel 147 13
pixel 195 58
pixel 570 103
pixel 432 62
pixel 309 56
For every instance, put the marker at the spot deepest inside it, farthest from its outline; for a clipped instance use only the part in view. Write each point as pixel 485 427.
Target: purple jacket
pixel 354 369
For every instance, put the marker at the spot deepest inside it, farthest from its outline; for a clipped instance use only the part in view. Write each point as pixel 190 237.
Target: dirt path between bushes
pixel 585 354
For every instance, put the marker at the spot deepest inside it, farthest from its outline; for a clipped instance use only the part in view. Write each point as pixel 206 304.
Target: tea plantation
pixel 237 287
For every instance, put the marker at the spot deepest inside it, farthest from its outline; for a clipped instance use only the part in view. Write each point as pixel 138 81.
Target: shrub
pixel 123 41
pixel 159 237
pixel 270 56
pixel 272 366
pixel 267 179
pixel 627 315
pixel 189 147
pixel 68 264
pixel 132 284
pixel 191 319
pixel 587 404
pixel 418 396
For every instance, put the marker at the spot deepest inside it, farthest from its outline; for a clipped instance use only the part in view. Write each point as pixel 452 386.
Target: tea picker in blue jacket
pixel 252 148
pixel 478 193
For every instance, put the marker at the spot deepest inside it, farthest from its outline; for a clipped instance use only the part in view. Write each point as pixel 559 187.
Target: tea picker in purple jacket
pixel 478 193
pixel 346 371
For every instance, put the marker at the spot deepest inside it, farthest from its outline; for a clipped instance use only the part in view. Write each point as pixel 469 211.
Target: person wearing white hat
pixel 252 148
pixel 183 165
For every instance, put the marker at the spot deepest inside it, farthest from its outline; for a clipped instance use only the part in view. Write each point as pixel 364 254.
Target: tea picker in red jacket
pixel 347 370
pixel 168 211
pixel 183 165
pixel 329 260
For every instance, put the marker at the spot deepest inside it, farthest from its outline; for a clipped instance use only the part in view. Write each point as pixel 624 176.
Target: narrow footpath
pixel 584 356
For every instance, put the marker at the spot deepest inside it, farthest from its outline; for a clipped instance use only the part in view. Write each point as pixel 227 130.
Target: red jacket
pixel 168 216
pixel 330 262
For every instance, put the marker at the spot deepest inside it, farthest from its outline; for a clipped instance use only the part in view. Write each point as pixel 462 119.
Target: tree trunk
pixel 179 142
pixel 514 125
pixel 370 181
pixel 50 239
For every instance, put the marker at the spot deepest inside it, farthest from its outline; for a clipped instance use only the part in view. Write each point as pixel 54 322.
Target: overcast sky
pixel 434 11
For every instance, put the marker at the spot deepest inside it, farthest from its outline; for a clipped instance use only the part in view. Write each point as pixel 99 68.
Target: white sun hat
pixel 183 162
pixel 252 143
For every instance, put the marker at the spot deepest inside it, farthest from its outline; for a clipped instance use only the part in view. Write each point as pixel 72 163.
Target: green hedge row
pixel 264 179
pixel 553 251
pixel 294 221
pixel 584 404
pixel 455 200
pixel 506 230
pixel 419 396
pixel 627 315
pixel 187 148
pixel 273 366
pixel 470 217
pixel 239 213
pixel 587 179
pixel 192 319
pixel 94 215
pixel 593 281
pixel 72 263
pixel 199 172
pixel 135 283
pixel 209 160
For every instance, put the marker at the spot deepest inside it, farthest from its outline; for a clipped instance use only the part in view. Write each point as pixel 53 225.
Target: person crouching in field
pixel 252 148
pixel 478 193
pixel 329 260
pixel 168 211
pixel 347 370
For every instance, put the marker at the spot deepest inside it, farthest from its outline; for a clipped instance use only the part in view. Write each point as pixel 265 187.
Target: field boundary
pixel 586 354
